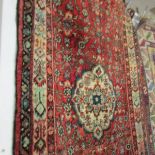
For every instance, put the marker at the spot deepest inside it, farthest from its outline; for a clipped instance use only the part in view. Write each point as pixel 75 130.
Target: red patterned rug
pixel 81 87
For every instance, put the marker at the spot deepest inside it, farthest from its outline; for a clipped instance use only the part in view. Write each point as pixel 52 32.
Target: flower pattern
pixel 95 101
pixel 80 80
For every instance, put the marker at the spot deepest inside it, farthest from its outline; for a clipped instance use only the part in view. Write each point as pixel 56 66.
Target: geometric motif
pixel 95 101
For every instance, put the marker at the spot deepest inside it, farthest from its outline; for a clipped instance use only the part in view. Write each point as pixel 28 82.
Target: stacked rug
pixel 146 37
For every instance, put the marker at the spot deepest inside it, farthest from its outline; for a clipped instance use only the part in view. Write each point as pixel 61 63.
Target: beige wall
pixel 7 74
pixel 0 22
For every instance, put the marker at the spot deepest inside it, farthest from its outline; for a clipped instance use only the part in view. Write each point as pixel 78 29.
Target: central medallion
pixel 94 101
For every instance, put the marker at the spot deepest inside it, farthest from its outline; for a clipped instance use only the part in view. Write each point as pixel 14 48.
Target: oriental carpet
pixel 146 39
pixel 81 83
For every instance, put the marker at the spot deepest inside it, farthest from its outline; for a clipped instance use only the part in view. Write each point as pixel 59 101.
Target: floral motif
pixel 94 101
pixel 68 23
